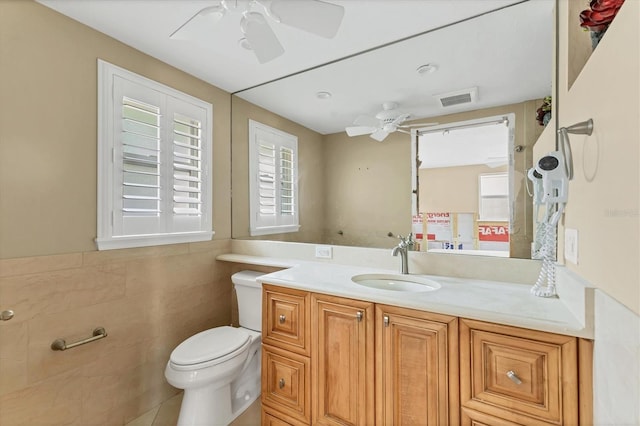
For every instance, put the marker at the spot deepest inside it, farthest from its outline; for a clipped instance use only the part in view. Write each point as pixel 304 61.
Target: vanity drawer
pixel 519 375
pixel 271 417
pixel 474 418
pixel 286 383
pixel 286 319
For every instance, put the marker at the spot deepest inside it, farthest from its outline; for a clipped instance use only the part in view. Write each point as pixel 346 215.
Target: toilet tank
pixel 249 295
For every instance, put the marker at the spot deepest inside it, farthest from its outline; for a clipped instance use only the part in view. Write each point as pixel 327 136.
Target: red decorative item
pixel 600 15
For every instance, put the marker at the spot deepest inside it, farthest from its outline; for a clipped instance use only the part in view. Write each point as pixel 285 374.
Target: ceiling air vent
pixel 459 97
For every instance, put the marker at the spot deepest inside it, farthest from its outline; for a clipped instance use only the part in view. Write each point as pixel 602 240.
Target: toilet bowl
pixel 219 368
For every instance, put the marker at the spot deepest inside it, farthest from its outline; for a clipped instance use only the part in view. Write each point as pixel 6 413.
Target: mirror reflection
pixel 355 190
pixel 471 157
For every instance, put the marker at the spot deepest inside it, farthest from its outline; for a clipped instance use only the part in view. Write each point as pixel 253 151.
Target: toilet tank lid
pixel 209 345
pixel 247 278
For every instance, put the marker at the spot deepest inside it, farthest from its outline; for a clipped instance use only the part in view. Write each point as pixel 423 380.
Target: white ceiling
pixel 507 54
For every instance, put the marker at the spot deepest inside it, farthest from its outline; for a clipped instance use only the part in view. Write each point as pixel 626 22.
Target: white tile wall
pixel 616 364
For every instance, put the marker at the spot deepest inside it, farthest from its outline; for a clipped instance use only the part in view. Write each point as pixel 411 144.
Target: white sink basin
pixel 396 282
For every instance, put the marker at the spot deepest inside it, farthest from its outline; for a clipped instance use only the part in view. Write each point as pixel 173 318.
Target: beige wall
pixel 452 189
pixel 311 184
pixel 604 196
pixel 368 189
pixel 148 300
pixel 48 127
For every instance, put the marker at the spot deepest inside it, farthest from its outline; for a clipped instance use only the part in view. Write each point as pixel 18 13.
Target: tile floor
pixel 166 414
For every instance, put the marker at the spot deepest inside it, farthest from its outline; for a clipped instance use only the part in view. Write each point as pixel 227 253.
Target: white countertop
pixel 492 301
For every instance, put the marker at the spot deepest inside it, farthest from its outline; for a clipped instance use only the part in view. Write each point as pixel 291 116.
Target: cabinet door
pixel 416 368
pixel 343 361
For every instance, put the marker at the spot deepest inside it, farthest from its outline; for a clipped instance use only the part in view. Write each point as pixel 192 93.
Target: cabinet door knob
pixel 359 315
pixel 281 383
pixel 6 315
pixel 386 320
pixel 514 377
pixel 282 319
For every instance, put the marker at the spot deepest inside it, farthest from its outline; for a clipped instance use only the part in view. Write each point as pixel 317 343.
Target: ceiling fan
pixel 313 16
pixel 387 121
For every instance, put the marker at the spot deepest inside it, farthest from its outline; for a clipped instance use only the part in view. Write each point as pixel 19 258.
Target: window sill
pixel 132 241
pixel 268 230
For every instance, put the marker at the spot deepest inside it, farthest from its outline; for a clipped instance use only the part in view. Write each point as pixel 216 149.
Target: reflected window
pixel 273 186
pixel 494 196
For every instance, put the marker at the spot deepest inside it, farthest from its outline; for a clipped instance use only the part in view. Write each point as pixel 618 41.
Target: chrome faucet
pixel 403 248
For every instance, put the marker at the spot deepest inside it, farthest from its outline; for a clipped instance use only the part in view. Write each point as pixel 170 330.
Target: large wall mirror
pixel 358 191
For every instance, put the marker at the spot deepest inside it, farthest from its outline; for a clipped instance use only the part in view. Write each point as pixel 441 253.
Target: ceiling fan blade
pixel 314 16
pixel 408 126
pixel 360 130
pixel 200 24
pixel 365 120
pixel 261 37
pixel 379 135
pixel 400 119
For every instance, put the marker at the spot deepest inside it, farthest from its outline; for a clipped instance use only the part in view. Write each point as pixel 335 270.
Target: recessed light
pixel 323 95
pixel 427 69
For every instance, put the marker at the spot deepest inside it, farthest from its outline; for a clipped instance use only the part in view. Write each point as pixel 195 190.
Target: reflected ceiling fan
pixel 387 121
pixel 313 16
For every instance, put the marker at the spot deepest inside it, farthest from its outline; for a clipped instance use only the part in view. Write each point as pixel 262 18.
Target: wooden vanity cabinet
pixel 416 367
pixel 329 360
pixel 510 375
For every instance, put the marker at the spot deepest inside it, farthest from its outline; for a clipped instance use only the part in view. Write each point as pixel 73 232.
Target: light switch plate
pixel 571 245
pixel 324 252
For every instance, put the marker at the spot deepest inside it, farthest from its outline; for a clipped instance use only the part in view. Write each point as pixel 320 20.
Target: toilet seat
pixel 210 347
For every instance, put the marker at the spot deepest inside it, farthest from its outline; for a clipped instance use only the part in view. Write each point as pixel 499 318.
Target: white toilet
pixel 219 369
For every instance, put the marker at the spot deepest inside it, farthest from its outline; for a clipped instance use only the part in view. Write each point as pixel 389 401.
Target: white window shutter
pixel 154 160
pixel 137 159
pixel 188 167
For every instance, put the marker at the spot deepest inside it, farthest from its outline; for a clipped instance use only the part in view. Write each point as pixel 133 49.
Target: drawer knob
pixel 282 319
pixel 514 377
pixel 281 383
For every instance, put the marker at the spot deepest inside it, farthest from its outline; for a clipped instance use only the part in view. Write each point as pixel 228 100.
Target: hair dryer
pixel 555 182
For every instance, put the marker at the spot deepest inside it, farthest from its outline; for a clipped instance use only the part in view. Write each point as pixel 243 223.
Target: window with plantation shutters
pixel 154 156
pixel 273 191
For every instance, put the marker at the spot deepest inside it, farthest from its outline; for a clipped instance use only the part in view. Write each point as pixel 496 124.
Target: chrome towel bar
pixel 61 345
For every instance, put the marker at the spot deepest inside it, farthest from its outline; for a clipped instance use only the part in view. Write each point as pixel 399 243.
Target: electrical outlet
pixel 324 252
pixel 571 245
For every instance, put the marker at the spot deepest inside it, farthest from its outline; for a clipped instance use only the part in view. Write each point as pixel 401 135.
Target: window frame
pixel 278 223
pixel 109 148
